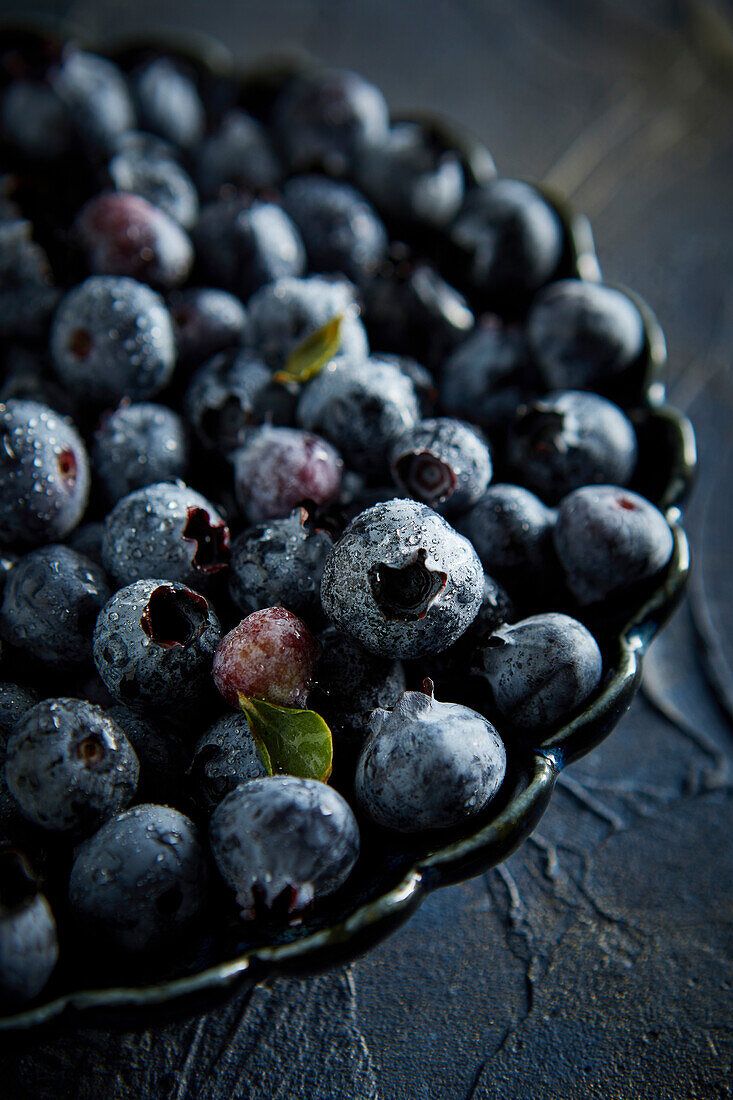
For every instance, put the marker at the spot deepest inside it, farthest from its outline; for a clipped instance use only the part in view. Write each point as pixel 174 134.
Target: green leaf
pixel 310 356
pixel 291 741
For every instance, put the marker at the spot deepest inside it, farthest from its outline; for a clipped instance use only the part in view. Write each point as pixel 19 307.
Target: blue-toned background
pixel 598 962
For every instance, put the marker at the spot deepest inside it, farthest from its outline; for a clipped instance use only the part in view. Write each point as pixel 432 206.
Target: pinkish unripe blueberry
pixel 270 655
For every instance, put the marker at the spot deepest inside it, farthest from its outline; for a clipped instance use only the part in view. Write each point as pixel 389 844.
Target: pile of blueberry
pixel 305 425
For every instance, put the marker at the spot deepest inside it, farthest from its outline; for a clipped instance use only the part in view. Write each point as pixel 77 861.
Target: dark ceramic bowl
pixel 393 877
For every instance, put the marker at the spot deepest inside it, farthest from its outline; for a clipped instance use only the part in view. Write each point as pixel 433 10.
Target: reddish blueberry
pixel 270 655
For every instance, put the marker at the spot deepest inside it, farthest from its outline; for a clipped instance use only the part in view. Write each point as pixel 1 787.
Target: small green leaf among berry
pixel 291 741
pixel 309 357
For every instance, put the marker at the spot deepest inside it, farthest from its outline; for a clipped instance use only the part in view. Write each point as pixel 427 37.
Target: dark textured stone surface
pixel 598 961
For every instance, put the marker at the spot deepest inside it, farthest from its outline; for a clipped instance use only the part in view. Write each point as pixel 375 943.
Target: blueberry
pixel 138 445
pixel 487 376
pixel 283 314
pixel 160 180
pixel 428 765
pixel 281 843
pixel 96 96
pixel 238 153
pixel 280 562
pixel 112 337
pixel 223 400
pixel 270 655
pixel 123 234
pixel 69 766
pixel 401 581
pixel 564 440
pixel 583 334
pixel 541 669
pixel 168 102
pixel 35 121
pixel 205 321
pixel 510 237
pixel 280 468
pixel 153 645
pixel 165 530
pixel 51 603
pixel 511 530
pixel 351 682
pixel 225 756
pixel 410 178
pixel 608 539
pixel 28 944
pixel 323 119
pixel 140 882
pixel 444 463
pixel 242 245
pixel 409 308
pixel 161 754
pixel 340 229
pixel 28 296
pixel 44 474
pixel 361 406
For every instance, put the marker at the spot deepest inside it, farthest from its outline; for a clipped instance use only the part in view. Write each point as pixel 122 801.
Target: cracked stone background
pixel 598 961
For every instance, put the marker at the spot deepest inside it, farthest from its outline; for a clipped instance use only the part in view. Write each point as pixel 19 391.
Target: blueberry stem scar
pixel 174 618
pixel 406 593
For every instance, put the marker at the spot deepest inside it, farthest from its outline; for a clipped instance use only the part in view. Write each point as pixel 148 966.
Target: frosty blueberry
pixel 281 843
pixel 138 445
pixel 280 562
pixel 583 334
pixel 160 180
pixel 153 645
pixel 140 880
pixel 443 463
pixel 608 539
pixel 44 474
pixel 50 604
pixel 239 153
pixel 510 236
pixel 410 178
pixel 168 102
pixel 565 440
pixel 206 320
pixel 428 765
pixel 242 245
pixel 361 407
pixel 511 530
pixel 402 581
pixel 165 530
pixel 324 119
pixel 540 670
pixel 69 766
pixel 340 229
pixel 112 338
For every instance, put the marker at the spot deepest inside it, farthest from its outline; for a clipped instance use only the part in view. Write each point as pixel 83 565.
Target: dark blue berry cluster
pixel 299 416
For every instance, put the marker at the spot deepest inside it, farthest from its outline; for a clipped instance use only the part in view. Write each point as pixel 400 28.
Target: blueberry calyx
pixel 173 617
pixel 282 907
pixel 91 751
pixel 426 477
pixel 66 463
pixel 80 343
pixel 544 427
pixel 405 592
pixel 212 541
